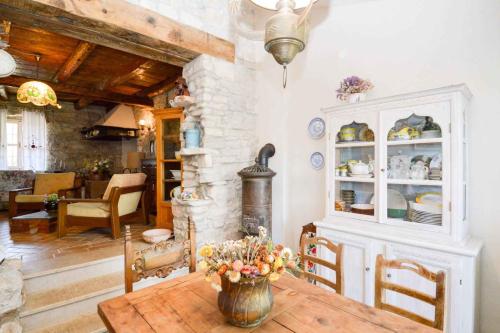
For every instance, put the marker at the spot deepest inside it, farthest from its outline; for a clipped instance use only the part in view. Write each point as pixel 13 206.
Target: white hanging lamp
pixel 7 64
pixel 286 32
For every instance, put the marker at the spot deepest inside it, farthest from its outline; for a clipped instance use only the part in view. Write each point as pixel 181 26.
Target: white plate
pixel 363 175
pixel 316 128
pixel 395 200
pixel 317 160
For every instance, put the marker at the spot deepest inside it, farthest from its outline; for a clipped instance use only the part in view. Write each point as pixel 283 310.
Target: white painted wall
pixel 402 46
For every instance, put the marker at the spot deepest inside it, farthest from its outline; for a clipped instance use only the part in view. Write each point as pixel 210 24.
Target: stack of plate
pixel 425 214
pixel 435 174
pixel 348 196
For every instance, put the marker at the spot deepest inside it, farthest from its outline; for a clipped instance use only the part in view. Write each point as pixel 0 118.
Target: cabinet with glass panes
pixel 390 163
pixel 169 164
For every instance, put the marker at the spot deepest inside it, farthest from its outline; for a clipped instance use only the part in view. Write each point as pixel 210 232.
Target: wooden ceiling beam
pixel 94 94
pixel 159 88
pixel 83 102
pixel 120 25
pixel 120 79
pixel 81 52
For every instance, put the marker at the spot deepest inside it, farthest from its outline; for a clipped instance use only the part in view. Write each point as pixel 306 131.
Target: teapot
pixel 419 171
pixel 361 168
pixel 348 134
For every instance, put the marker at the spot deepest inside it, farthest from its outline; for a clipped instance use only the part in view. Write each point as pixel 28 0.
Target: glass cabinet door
pixel 414 167
pixel 171 143
pixel 353 165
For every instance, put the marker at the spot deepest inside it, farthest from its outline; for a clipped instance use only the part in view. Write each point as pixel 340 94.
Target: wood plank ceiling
pixel 85 73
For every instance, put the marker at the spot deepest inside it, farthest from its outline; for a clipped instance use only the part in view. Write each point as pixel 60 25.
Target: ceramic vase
pixel 245 303
pixel 357 97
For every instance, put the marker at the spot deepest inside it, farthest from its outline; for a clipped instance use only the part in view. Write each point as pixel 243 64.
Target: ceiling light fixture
pixel 286 32
pixel 36 92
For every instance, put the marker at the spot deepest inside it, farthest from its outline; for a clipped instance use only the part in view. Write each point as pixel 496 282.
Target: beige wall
pixel 402 46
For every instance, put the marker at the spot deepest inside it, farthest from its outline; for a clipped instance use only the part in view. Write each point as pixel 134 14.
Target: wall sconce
pixel 144 127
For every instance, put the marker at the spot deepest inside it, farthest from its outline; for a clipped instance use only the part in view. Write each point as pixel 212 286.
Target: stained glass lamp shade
pixel 38 93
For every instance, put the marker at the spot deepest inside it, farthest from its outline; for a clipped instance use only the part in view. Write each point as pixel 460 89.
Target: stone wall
pixel 224 110
pixel 66 147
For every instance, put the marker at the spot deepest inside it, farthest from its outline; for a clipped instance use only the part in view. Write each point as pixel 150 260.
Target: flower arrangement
pixel 101 166
pixel 353 85
pixel 53 197
pixel 51 201
pixel 248 258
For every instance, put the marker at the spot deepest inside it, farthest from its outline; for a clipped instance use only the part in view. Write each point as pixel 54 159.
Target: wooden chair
pixel 437 301
pixel 23 200
pixel 118 203
pixel 160 259
pixel 337 267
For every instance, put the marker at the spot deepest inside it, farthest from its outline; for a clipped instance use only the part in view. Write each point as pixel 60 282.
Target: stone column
pixel 11 296
pixel 224 97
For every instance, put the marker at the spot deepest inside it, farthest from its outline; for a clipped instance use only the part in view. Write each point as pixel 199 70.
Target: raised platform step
pixel 82 324
pixel 53 307
pixel 56 273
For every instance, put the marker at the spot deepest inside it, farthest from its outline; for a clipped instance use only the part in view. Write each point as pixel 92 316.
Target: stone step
pixel 82 324
pixel 56 306
pixel 59 306
pixel 54 274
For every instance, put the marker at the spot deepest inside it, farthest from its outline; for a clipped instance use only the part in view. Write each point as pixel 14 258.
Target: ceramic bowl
pixel 365 209
pixel 396 213
pixel 156 235
pixel 430 134
pixel 176 173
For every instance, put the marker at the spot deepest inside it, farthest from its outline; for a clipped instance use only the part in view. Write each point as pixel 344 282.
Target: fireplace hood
pixel 117 124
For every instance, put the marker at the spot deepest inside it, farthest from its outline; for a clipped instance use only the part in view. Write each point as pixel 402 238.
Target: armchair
pixel 121 200
pixel 32 198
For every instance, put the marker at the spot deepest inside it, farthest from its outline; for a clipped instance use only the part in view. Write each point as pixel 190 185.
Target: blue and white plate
pixel 317 160
pixel 316 128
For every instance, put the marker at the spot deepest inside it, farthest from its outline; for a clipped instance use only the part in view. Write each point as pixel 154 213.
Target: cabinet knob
pixel 367 269
pixel 389 276
pixel 382 170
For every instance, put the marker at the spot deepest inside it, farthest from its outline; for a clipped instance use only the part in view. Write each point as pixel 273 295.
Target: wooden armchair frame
pixel 403 264
pixel 337 267
pixel 113 220
pixel 135 265
pixel 15 208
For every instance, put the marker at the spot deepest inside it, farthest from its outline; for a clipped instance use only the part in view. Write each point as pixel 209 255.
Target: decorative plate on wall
pixel 316 128
pixel 317 160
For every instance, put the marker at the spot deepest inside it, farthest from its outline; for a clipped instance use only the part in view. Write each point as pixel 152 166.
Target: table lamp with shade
pixel 134 161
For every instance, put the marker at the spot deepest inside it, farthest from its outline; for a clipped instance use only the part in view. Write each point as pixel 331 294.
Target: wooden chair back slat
pixel 337 267
pixel 319 261
pixel 410 265
pixel 134 258
pixel 315 277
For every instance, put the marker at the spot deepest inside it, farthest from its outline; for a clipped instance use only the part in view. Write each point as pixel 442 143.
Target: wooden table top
pixel 189 304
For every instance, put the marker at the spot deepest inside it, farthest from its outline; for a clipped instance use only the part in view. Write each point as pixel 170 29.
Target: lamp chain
pixel 285 76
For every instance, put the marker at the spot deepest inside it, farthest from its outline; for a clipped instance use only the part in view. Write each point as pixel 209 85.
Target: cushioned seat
pixel 89 209
pixel 30 198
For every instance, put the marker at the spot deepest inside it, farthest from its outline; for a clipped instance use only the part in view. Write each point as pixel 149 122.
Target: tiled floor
pixel 79 240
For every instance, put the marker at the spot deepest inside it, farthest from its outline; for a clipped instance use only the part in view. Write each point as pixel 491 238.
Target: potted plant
pixel 246 268
pixel 51 201
pixel 99 169
pixel 353 89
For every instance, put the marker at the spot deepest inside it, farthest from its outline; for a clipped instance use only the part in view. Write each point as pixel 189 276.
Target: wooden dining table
pixel 189 304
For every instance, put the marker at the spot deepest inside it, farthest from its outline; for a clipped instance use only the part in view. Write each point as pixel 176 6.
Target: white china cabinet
pixel 397 186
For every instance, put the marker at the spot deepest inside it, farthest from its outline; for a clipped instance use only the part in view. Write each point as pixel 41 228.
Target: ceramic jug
pixel 419 171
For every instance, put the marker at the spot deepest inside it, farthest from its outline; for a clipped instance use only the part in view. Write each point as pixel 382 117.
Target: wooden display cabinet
pixel 168 141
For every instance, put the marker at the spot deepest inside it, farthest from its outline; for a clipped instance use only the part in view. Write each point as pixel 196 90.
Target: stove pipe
pixel 257 193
